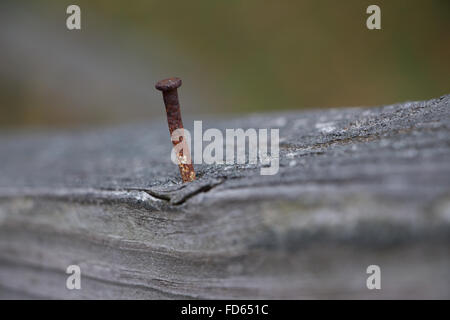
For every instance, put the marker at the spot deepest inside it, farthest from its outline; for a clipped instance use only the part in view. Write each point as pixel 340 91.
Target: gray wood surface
pixel 356 187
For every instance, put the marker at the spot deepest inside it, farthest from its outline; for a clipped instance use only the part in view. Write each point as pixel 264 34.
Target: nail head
pixel 168 84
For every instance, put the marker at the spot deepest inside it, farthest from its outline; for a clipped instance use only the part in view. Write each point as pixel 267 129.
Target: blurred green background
pixel 233 56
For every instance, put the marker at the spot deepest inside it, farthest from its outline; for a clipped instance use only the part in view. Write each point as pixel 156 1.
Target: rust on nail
pixel 170 96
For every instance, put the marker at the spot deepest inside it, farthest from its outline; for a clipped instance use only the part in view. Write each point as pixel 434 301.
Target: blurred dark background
pixel 233 56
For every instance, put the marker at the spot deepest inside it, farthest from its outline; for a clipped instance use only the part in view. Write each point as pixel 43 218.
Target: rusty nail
pixel 170 96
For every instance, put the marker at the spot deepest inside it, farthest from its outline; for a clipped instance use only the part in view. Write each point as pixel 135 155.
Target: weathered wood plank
pixel 356 187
